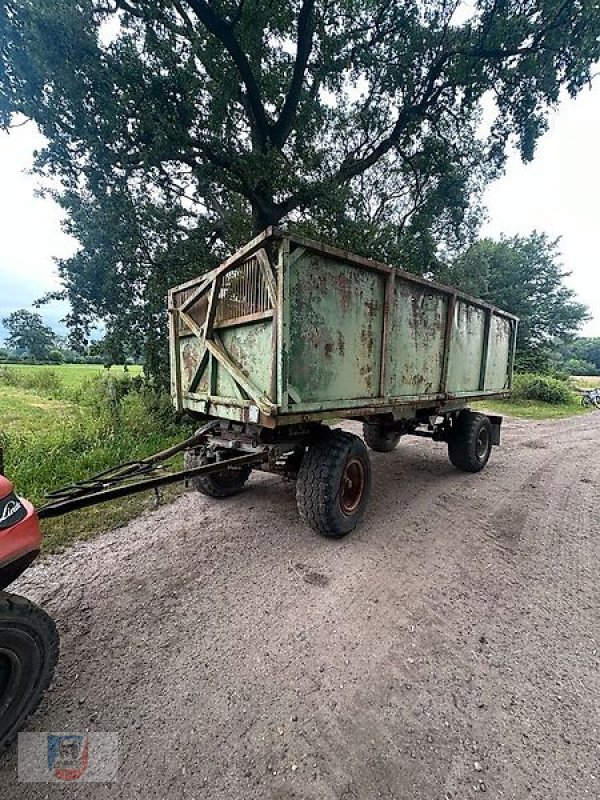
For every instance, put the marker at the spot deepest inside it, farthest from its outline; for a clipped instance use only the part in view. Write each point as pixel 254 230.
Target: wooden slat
pixel 267 273
pixel 238 376
pixel 257 317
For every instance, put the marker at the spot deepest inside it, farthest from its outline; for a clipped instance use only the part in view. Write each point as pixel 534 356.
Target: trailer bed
pixel 290 330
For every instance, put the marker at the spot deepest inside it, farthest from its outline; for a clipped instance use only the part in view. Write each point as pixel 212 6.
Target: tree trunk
pixel 263 216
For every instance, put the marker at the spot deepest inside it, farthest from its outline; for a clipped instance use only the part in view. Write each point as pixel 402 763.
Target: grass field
pixel 532 409
pixel 73 375
pixel 61 424
pixel 586 381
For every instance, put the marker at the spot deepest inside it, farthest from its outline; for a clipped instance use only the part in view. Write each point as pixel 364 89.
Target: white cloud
pixel 30 233
pixel 558 193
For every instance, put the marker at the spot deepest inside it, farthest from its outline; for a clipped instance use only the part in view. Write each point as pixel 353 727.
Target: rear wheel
pixel 380 439
pixel 334 482
pixel 28 655
pixel 470 441
pixel 217 484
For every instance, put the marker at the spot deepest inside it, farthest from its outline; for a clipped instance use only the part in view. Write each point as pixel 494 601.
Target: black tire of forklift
pixel 218 484
pixel 379 439
pixel 29 647
pixel 470 441
pixel 334 483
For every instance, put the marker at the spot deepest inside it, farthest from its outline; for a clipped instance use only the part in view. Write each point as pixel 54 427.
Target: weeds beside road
pixel 60 426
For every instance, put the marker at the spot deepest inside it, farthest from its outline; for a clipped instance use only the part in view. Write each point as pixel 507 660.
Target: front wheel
pixel 470 441
pixel 28 655
pixel 334 483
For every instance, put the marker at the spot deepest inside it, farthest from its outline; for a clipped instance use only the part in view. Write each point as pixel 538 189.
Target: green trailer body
pixel 289 330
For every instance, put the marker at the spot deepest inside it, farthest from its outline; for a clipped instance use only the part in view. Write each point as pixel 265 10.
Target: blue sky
pixel 558 193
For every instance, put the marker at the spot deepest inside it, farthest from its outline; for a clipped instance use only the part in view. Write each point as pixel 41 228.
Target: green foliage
pixel 577 366
pixel 543 388
pixel 195 123
pixel 105 421
pixel 581 355
pixel 522 275
pixel 28 334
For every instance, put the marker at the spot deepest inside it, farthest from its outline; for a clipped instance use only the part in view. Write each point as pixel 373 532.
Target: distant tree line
pixel 30 340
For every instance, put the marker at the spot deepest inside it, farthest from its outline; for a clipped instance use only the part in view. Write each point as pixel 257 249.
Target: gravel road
pixel 449 647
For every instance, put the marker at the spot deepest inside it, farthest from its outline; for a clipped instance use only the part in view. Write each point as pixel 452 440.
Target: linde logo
pixel 10 509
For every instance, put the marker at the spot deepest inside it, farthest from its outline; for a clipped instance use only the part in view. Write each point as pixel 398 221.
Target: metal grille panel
pixel 243 291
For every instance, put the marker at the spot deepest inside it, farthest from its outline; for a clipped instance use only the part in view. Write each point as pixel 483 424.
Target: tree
pixel 522 275
pixel 581 356
pixel 178 127
pixel 28 335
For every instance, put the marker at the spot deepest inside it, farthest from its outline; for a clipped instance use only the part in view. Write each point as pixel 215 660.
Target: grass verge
pixel 532 409
pixel 78 431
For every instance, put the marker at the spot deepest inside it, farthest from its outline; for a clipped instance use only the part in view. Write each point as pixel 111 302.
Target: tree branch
pixel 223 31
pixel 281 129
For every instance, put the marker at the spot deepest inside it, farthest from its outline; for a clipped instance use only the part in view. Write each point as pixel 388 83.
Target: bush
pixel 543 388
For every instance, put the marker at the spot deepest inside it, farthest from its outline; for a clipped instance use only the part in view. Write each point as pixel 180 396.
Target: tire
pixel 380 439
pixel 334 483
pixel 470 442
pixel 28 654
pixel 218 484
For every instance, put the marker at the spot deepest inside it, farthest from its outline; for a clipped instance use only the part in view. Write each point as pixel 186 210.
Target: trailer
pixel 290 335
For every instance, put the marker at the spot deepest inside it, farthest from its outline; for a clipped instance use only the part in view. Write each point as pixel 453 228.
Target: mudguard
pixel 20 533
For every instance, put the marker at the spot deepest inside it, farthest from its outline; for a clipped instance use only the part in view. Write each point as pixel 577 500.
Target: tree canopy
pixel 28 335
pixel 523 275
pixel 177 128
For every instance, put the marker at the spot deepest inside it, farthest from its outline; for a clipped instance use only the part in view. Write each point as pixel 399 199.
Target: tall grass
pixel 121 420
pixel 46 382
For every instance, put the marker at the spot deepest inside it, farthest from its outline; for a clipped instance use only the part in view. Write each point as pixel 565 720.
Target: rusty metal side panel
pixel 497 374
pixel 466 348
pixel 335 329
pixel 250 347
pixel 191 351
pixel 416 339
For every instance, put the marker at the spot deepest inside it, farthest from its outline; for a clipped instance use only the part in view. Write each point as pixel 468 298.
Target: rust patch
pixel 190 360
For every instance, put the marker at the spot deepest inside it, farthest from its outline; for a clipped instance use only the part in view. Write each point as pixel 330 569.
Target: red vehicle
pixel 28 636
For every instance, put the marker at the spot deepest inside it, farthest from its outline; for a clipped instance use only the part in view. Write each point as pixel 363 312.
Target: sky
pixel 558 193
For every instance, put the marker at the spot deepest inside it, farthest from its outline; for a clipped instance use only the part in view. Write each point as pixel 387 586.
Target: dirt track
pixel 450 646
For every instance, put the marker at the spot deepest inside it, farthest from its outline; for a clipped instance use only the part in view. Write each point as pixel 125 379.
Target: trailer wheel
pixel 333 485
pixel 470 441
pixel 218 484
pixel 28 655
pixel 380 439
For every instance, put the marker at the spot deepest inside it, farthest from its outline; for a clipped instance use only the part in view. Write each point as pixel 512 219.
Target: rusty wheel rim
pixel 482 444
pixel 352 486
